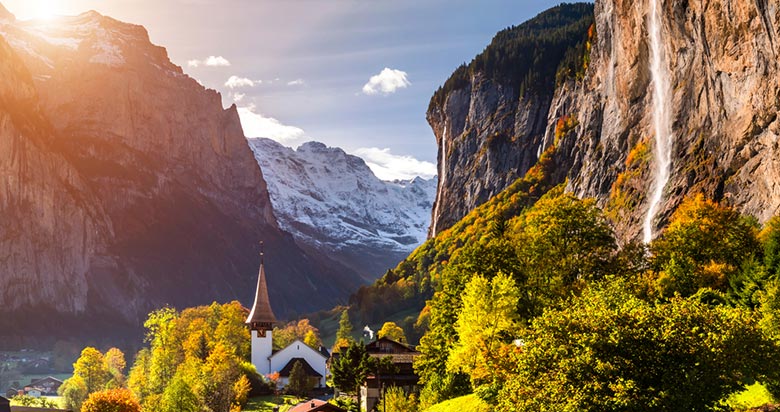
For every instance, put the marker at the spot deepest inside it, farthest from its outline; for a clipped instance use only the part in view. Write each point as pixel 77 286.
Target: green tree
pixel 610 351
pixel 345 327
pixel 563 241
pixel 350 369
pixel 344 333
pixel 138 378
pixel 111 400
pixel 179 396
pixel 488 320
pixel 74 392
pixel 298 383
pixel 770 242
pixel 392 331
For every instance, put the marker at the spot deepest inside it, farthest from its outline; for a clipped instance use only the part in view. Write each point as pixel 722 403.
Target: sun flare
pixel 41 10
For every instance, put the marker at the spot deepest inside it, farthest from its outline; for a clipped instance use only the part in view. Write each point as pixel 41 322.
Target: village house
pixel 402 374
pixel 47 386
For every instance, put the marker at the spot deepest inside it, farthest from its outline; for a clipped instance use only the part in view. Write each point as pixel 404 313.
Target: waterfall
pixel 442 178
pixel 661 117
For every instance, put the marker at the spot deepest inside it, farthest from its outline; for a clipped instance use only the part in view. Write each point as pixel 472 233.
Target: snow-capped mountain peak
pixel 332 200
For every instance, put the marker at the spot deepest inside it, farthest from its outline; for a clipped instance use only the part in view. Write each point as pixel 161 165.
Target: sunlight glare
pixel 42 10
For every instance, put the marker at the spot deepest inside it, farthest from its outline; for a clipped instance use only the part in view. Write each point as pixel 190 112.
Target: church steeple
pixel 261 318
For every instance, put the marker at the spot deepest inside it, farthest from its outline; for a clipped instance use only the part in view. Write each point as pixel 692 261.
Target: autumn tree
pixel 705 245
pixel 92 368
pixel 312 339
pixel 116 364
pixel 488 319
pixel 91 373
pixel 111 400
pixel 395 399
pixel 392 331
pixel 196 360
pixel 300 330
pixel 491 255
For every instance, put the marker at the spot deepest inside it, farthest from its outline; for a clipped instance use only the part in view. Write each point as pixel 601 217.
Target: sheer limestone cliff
pixel 126 186
pixel 724 97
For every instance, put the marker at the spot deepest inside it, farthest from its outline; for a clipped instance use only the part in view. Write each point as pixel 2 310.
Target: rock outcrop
pixel 332 201
pixel 722 57
pixel 126 186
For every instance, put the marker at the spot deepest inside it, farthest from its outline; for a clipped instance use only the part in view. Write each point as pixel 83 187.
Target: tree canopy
pixel 610 351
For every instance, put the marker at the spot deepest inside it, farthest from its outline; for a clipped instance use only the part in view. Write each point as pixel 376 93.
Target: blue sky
pixel 309 60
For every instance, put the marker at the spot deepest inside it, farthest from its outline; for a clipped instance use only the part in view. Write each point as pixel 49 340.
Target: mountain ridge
pixel 156 198
pixel 331 200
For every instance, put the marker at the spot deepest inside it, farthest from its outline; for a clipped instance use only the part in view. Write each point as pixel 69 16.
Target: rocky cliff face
pixel 490 118
pixel 126 186
pixel 331 201
pixel 722 64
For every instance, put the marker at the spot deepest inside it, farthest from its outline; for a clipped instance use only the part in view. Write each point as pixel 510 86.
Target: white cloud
pixel 257 125
pixel 211 61
pixel 296 82
pixel 237 97
pixel 388 166
pixel 386 82
pixel 235 82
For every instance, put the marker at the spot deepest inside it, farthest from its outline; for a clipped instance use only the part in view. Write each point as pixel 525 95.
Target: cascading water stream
pixel 442 179
pixel 659 72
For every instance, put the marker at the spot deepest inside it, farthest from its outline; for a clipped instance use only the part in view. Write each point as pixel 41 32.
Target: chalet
pixel 35 393
pixel 47 386
pixel 261 320
pixel 5 405
pixel 402 375
pixel 316 405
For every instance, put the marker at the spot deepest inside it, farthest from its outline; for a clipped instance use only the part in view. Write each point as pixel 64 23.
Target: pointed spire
pixel 261 317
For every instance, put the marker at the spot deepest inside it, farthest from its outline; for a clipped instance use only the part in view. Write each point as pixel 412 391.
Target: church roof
pixel 261 311
pixel 306 368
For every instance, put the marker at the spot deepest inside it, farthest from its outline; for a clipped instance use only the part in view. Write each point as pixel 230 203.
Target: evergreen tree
pixel 350 368
pixel 345 327
pixel 298 383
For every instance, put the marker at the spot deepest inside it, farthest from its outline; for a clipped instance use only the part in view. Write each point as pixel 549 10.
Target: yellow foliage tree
pixel 392 331
pixel 111 400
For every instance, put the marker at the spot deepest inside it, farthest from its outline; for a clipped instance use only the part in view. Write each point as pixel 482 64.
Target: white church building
pixel 261 321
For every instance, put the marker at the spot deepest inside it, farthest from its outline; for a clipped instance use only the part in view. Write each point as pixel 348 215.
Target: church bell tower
pixel 261 321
